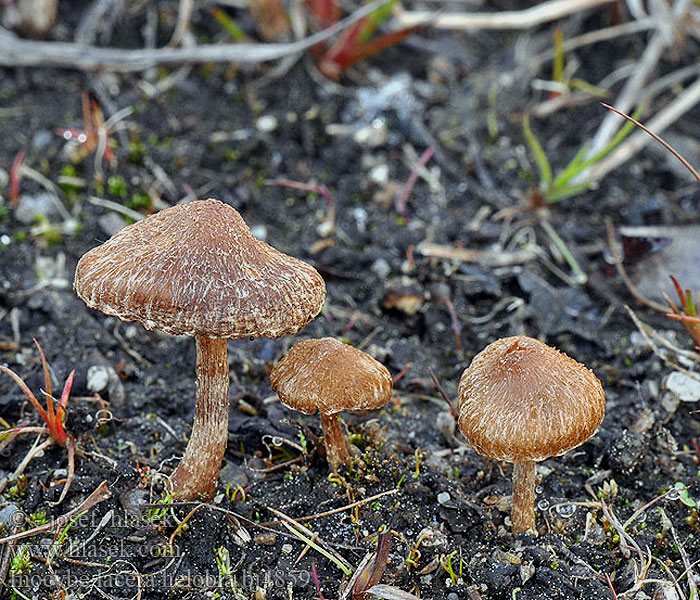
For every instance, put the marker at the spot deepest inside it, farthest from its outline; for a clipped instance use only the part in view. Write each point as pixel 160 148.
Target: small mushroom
pixel 328 376
pixel 195 269
pixel 521 401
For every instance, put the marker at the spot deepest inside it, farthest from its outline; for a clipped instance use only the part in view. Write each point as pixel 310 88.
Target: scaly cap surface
pixel 329 376
pixel 522 400
pixel 196 269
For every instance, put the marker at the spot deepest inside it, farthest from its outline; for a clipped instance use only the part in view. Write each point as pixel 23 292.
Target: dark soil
pixel 209 135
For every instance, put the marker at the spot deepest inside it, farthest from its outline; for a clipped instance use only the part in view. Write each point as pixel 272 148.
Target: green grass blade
pixel 315 546
pixel 543 165
pixel 566 191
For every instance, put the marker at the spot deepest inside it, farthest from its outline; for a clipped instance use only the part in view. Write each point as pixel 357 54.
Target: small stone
pixel 626 451
pixel 42 139
pixel 445 423
pixel 33 206
pixel 266 123
pixel 381 268
pixel 372 135
pixel 379 175
pixel 402 295
pixel 325 228
pixel 266 539
pixel 233 476
pixel 360 215
pixel 260 232
pixel 443 498
pixel 287 549
pixel 684 387
pixel 97 378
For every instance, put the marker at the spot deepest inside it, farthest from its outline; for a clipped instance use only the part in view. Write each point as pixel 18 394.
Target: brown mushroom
pixel 328 376
pixel 195 269
pixel 522 401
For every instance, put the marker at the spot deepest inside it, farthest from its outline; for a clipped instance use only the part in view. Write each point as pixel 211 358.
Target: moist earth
pixel 617 513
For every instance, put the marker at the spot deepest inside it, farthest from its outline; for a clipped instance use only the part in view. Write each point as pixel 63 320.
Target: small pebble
pixel 266 123
pixel 97 378
pixel 32 206
pixel 287 549
pixel 360 215
pixel 381 268
pixel 260 232
pixel 372 135
pixel 684 387
pixel 379 174
pixel 266 539
pixel 443 498
pixel 42 139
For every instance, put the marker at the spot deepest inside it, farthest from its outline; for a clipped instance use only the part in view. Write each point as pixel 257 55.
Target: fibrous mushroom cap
pixel 196 269
pixel 521 400
pixel 329 376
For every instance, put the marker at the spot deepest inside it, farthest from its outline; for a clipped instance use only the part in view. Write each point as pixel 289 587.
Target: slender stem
pixel 523 514
pixel 337 452
pixel 198 471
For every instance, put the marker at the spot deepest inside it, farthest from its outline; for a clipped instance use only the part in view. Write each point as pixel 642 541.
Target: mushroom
pixel 195 269
pixel 328 376
pixel 521 401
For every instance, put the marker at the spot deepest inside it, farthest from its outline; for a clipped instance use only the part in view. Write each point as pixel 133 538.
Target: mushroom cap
pixel 521 400
pixel 195 269
pixel 329 376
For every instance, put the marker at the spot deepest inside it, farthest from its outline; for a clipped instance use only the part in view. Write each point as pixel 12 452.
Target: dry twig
pixel 669 115
pixel 510 19
pixel 662 40
pixel 101 493
pixel 17 52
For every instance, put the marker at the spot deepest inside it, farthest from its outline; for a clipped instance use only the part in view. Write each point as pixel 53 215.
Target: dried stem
pixel 15 52
pixel 509 19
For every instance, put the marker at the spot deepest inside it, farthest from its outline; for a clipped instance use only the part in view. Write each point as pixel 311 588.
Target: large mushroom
pixel 328 376
pixel 522 401
pixel 195 269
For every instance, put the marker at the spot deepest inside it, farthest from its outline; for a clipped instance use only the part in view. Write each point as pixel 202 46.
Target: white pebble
pixel 266 123
pixel 97 378
pixel 686 388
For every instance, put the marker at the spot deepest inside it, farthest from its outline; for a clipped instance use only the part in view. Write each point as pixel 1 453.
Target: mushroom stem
pixel 198 472
pixel 522 515
pixel 337 451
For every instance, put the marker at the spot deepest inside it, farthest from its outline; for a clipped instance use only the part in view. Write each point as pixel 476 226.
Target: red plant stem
pixel 610 585
pixel 314 574
pixel 686 318
pixel 351 323
pixel 409 256
pixel 198 472
pixel 401 374
pixel 27 392
pixel 454 320
pixel 15 177
pixel 44 366
pixel 308 187
pixel 406 192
